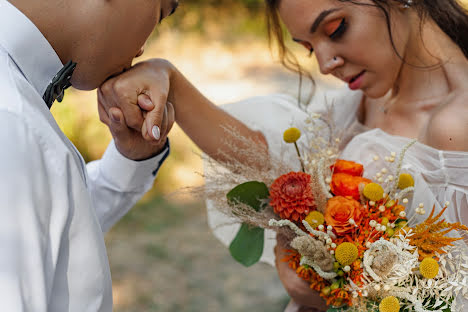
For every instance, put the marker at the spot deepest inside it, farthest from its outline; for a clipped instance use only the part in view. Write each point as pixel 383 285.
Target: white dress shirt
pixel 54 208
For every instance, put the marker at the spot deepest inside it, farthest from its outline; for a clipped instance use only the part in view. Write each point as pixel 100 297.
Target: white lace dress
pixel 440 176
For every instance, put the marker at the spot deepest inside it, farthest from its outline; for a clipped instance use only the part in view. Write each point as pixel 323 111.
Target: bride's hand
pixel 151 85
pixel 296 287
pixel 138 97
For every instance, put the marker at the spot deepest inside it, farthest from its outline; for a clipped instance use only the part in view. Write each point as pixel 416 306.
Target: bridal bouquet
pixel 350 236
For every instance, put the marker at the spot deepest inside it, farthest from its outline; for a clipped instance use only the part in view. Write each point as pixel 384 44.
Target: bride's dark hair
pixel 449 15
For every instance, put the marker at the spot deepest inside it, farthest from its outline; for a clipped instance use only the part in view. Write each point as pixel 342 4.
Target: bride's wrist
pixel 162 65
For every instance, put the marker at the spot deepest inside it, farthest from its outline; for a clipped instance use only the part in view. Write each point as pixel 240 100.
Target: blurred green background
pixel 163 256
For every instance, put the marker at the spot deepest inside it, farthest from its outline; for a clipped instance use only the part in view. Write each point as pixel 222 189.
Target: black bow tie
pixel 55 90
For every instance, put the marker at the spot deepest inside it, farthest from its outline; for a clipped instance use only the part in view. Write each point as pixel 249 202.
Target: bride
pixel 406 66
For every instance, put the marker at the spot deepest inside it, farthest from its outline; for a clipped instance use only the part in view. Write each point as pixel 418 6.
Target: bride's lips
pixel 355 82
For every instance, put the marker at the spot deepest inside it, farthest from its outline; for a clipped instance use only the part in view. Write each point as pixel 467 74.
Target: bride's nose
pixel 329 62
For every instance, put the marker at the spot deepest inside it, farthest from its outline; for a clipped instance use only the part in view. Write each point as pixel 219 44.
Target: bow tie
pixel 55 90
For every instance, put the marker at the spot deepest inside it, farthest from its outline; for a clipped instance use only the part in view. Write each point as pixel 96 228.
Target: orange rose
pixel 349 167
pixel 344 184
pixel 339 211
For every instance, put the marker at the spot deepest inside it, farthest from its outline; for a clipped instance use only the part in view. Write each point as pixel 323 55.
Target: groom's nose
pixel 140 53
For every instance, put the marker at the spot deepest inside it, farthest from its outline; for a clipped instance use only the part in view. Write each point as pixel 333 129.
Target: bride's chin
pixel 374 92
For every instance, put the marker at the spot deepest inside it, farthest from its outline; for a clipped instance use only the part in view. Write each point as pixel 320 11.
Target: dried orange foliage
pixel 430 238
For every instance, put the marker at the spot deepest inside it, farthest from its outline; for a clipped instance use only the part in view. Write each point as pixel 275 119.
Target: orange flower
pixel 291 196
pixel 349 167
pixel 304 273
pixel 293 258
pixel 344 184
pixel 317 283
pixel 339 211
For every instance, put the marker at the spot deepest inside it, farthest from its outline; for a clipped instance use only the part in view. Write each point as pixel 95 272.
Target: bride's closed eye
pixel 335 29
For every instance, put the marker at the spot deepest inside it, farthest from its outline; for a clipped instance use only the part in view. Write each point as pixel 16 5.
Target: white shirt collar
pixel 28 48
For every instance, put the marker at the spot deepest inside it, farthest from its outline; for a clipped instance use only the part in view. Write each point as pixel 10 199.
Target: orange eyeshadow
pixel 332 26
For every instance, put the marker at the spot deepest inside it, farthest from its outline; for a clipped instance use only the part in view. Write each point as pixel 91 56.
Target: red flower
pixel 291 196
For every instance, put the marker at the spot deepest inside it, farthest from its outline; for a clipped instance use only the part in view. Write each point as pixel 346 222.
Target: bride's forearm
pixel 206 124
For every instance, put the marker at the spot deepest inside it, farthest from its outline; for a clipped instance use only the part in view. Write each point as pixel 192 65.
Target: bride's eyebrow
pixel 317 22
pixel 320 19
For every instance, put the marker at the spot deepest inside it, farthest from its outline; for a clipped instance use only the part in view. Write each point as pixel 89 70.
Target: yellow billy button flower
pixel 389 304
pixel 405 181
pixel 291 135
pixel 429 268
pixel 315 219
pixel 346 253
pixel 373 192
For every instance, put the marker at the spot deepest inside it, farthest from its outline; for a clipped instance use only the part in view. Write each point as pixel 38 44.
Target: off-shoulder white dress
pixel 440 176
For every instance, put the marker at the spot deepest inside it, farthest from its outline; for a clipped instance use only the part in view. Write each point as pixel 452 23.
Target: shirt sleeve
pixel 26 262
pixel 116 183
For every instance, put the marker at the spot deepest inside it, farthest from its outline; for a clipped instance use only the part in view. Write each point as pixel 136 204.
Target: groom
pixel 54 207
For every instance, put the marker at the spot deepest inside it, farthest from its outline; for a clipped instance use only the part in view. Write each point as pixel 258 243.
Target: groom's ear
pixel 116 38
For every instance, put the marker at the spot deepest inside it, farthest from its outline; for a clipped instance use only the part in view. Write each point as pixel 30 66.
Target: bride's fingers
pixel 162 128
pixel 164 125
pixel 145 103
pixel 155 117
pixel 170 117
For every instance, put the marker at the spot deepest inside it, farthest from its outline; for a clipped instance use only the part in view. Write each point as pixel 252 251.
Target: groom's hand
pixel 126 100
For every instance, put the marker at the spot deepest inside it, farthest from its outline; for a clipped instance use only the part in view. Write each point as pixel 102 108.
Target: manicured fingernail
pixel 156 132
pixel 115 117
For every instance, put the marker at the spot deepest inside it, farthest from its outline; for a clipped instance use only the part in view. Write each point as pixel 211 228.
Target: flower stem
pixel 300 157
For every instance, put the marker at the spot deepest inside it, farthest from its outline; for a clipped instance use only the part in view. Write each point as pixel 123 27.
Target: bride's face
pixel 351 42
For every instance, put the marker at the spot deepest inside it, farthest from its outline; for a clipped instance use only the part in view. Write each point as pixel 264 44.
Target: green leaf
pixel 250 193
pixel 247 247
pixel 337 309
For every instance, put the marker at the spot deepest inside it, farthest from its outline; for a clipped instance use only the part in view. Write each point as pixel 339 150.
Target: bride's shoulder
pixel 448 126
